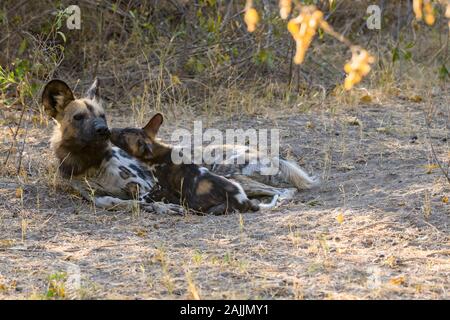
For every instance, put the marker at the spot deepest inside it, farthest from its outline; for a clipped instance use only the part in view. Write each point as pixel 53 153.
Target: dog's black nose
pixel 102 131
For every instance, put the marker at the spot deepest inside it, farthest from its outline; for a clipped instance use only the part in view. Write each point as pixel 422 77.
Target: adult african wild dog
pixel 105 174
pixel 188 184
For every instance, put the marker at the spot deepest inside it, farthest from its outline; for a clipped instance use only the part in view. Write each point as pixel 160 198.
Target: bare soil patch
pixel 378 227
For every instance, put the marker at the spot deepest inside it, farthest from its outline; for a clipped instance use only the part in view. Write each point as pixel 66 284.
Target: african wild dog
pixel 106 174
pixel 190 185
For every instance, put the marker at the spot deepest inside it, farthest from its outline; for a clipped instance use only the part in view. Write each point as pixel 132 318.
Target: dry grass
pixel 384 246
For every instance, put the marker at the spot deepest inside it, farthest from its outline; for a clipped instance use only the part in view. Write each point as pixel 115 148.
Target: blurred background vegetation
pixel 198 54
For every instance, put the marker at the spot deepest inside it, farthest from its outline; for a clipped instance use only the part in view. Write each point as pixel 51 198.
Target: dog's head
pixel 82 121
pixel 140 143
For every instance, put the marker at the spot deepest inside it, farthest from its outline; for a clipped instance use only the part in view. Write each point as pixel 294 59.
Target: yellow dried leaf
pixel 429 19
pixel 340 218
pixel 445 199
pixel 348 68
pixel 285 8
pixel 348 84
pixel 416 98
pixel 303 28
pixel 175 80
pixel 192 288
pixel 357 67
pixel 251 19
pixel 19 193
pixel 417 8
pixel 141 232
pixel 429 14
pixel 366 99
pixel 6 243
pixel 293 28
pixel 317 16
pixel 364 69
pixel 398 280
pixel 300 52
pixel 431 167
pixel 391 261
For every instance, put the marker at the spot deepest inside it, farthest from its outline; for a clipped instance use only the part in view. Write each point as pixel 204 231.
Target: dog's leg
pixel 254 188
pixel 104 202
pixel 270 205
pixel 108 202
pixel 219 209
pixel 164 208
pixel 113 203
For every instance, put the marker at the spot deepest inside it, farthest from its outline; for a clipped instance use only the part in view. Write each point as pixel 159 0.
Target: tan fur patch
pixel 132 141
pixel 204 187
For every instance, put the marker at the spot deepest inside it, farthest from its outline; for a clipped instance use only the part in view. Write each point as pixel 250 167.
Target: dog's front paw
pixel 287 194
pixel 168 208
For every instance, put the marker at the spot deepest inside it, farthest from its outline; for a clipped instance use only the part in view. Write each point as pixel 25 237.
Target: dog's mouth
pixel 102 137
pixel 97 139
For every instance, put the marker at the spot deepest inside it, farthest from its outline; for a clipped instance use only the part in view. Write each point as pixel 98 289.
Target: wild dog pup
pixel 187 184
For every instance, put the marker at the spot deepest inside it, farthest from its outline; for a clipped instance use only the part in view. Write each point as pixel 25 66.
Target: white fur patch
pixel 292 173
pixel 107 179
pixel 241 197
pixel 272 203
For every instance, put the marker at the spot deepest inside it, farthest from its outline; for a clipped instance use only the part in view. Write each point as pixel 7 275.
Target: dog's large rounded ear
pixel 152 127
pixel 56 96
pixel 93 92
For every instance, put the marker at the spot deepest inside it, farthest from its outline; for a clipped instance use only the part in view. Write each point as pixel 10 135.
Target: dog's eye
pixel 141 146
pixel 78 117
pixel 143 149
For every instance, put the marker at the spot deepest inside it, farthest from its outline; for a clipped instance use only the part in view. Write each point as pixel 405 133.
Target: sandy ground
pixel 378 226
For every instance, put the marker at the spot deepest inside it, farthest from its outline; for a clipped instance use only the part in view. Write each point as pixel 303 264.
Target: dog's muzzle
pixel 101 129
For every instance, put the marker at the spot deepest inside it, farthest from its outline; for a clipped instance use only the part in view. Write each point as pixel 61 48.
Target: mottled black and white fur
pixel 190 185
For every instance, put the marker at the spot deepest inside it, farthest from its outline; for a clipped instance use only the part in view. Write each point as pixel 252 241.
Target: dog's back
pixel 243 161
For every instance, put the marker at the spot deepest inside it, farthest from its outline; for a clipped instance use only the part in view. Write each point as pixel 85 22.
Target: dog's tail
pixel 290 172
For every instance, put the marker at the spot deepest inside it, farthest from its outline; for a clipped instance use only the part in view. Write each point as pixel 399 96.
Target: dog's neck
pixel 75 161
